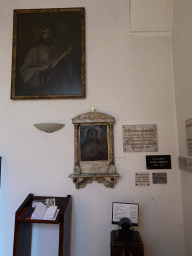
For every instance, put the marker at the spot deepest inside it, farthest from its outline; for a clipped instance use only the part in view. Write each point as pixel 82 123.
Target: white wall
pixel 182 52
pixel 129 76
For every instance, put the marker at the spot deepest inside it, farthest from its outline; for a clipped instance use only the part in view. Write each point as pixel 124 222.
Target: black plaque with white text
pixel 158 162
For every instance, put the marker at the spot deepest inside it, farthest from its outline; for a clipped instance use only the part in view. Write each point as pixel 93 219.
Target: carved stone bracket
pixel 102 167
pixel 81 180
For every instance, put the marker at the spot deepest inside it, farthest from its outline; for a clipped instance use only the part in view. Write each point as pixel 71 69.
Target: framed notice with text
pixel 125 210
pixel 48 60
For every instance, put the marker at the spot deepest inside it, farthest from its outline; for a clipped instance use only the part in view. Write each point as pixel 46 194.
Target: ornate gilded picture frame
pixel 94 150
pixel 48 60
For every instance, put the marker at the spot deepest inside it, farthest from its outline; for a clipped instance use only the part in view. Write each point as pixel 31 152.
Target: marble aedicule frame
pixel 98 161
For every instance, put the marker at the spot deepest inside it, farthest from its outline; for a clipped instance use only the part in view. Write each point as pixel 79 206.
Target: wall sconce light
pixel 49 127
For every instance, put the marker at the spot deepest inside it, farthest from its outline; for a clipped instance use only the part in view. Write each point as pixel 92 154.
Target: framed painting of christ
pixel 48 59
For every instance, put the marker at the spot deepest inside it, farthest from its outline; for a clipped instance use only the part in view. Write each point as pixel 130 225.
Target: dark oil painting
pixel 48 53
pixel 94 143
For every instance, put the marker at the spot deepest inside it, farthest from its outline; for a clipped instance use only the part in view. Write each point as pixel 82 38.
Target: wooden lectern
pixel 23 225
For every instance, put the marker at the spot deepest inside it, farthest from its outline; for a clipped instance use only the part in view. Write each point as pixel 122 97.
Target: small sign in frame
pixel 125 210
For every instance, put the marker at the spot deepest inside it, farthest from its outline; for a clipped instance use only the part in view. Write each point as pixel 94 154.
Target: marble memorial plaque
pixel 140 138
pixel 142 179
pixel 189 164
pixel 188 124
pixel 182 163
pixel 159 178
pixel 185 164
pixel 158 162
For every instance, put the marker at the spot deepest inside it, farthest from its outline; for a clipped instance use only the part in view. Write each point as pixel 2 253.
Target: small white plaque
pixel 182 163
pixel 188 124
pixel 189 164
pixel 140 138
pixel 185 164
pixel 142 179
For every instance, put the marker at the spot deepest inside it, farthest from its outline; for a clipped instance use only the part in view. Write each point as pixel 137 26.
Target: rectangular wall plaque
pixel 140 138
pixel 158 162
pixel 159 178
pixel 142 179
pixel 182 163
pixel 188 124
pixel 189 164
pixel 185 164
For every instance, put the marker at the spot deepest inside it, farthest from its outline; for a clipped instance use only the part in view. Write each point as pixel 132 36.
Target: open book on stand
pixel 42 212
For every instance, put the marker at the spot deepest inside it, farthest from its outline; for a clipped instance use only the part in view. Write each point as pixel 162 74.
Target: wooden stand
pixel 23 226
pixel 124 248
